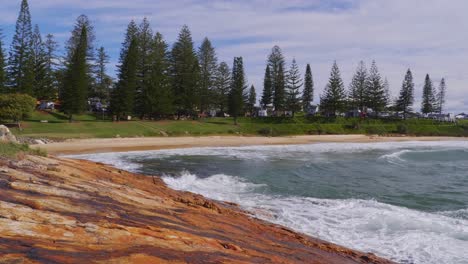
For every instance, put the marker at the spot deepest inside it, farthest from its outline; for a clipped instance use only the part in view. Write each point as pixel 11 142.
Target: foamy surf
pixel 398 233
pixel 278 185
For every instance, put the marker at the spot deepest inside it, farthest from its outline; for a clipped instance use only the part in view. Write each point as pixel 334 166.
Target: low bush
pixel 13 150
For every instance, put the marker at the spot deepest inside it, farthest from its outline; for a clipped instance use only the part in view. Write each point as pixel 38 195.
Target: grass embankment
pixel 90 126
pixel 13 150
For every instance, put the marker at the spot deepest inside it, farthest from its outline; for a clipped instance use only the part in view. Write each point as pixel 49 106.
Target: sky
pixel 428 36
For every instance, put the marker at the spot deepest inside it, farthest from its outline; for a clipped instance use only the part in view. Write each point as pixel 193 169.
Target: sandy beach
pixel 85 146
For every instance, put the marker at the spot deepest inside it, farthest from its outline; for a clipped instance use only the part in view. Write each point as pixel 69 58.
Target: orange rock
pixel 68 211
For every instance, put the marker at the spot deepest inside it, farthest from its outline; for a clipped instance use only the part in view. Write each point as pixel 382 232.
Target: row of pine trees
pixel 367 90
pixel 156 81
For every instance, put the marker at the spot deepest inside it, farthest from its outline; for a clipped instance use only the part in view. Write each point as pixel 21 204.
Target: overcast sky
pixel 428 36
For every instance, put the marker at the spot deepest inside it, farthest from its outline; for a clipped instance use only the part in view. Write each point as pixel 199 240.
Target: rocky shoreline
pixel 69 211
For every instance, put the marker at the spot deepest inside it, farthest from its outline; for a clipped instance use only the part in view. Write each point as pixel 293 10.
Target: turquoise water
pixel 404 201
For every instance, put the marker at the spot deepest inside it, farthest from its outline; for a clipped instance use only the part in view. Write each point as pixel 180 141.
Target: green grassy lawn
pixel 90 126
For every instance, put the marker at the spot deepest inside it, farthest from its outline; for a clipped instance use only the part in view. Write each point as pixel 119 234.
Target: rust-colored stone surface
pixel 66 211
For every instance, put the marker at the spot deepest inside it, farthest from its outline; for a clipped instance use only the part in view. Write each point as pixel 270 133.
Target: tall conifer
pixel 308 92
pixel 103 81
pixel 277 66
pixel 74 100
pixel 293 85
pixel 375 97
pixel 358 88
pixel 158 97
pixel 40 65
pixel 20 61
pixel 208 66
pixel 3 88
pixel 428 104
pixel 267 95
pixel 441 96
pixel 237 95
pixel 222 86
pixel 123 96
pixel 185 74
pixel 252 99
pixel 333 101
pixel 406 98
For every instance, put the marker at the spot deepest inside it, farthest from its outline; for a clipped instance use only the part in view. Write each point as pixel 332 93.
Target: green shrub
pixel 16 107
pixel 13 150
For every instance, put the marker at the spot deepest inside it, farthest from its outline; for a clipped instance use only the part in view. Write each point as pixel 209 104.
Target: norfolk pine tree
pixel 441 96
pixel 145 46
pixel 123 96
pixel 185 74
pixel 237 93
pixel 308 92
pixel 20 61
pixel 251 100
pixel 358 88
pixel 40 65
pixel 277 65
pixel 3 88
pixel 208 66
pixel 428 104
pixel 293 84
pixel 158 96
pixel 333 100
pixel 222 86
pixel 74 100
pixel 375 97
pixel 50 83
pixel 267 95
pixel 103 81
pixel 406 98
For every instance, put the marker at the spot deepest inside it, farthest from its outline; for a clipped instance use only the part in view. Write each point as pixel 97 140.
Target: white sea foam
pixel 401 234
pixel 271 152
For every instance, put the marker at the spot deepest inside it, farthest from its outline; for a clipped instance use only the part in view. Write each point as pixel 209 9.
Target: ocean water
pixel 404 201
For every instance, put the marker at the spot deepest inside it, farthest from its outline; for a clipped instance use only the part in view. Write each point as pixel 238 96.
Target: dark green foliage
pixel 237 94
pixel 144 64
pixel 75 91
pixel 103 81
pixel 406 99
pixel 222 86
pixel 16 107
pixel 72 44
pixel 267 96
pixel 358 88
pixel 429 103
pixel 277 65
pixel 333 100
pixel 375 90
pixel 49 88
pixel 20 63
pixel 441 96
pixel 123 96
pixel 3 88
pixel 308 92
pixel 81 22
pixel 158 98
pixel 293 84
pixel 208 67
pixel 131 34
pixel 252 99
pixel 39 56
pixel 185 74
pixel 279 98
